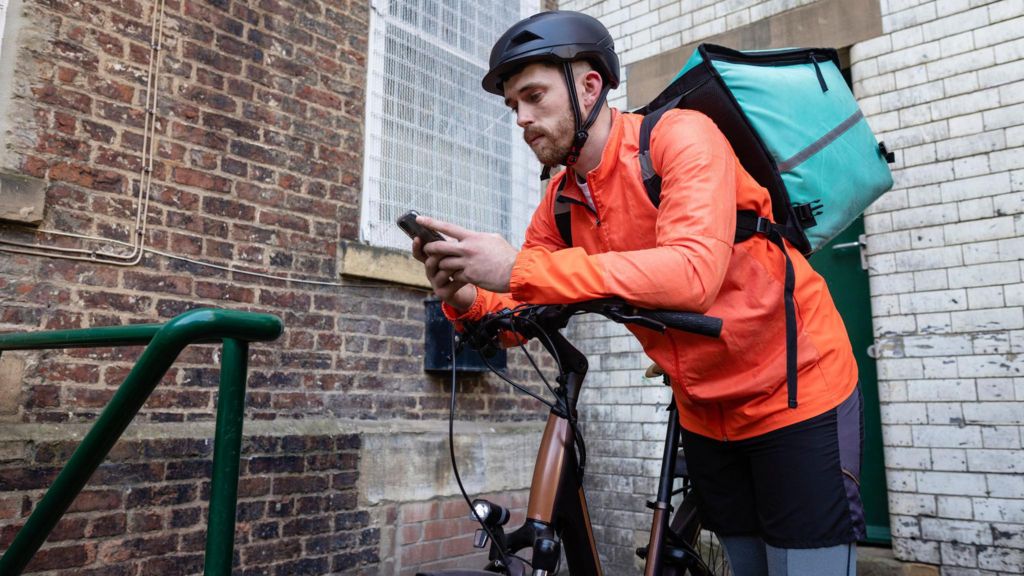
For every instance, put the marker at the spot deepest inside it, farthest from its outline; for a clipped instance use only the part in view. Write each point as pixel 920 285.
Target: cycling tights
pixel 750 556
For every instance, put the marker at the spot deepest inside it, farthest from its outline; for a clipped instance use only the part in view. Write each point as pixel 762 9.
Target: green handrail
pixel 165 342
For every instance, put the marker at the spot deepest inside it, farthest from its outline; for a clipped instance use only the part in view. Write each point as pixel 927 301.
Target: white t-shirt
pixel 582 183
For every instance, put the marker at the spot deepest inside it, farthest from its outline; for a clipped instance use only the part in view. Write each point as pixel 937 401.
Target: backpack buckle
pixel 890 157
pixel 763 225
pixel 805 213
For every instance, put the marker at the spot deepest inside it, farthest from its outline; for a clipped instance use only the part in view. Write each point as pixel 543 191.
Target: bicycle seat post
pixel 662 506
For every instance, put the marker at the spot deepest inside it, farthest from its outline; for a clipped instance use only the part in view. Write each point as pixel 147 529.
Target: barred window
pixel 3 20
pixel 436 142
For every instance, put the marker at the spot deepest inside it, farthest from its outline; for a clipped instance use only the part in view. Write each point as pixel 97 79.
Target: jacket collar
pixel 568 191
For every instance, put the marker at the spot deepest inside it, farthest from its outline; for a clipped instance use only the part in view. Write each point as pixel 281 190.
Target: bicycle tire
pixel 707 551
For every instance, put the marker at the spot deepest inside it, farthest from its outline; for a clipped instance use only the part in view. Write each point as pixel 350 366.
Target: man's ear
pixel 592 84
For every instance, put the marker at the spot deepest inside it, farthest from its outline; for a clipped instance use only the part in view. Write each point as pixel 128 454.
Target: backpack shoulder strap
pixel 563 215
pixel 652 181
pixel 749 223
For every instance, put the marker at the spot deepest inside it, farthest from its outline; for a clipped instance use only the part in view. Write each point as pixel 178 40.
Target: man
pixel 778 483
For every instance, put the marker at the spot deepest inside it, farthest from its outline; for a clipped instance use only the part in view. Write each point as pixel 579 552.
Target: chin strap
pixel 580 137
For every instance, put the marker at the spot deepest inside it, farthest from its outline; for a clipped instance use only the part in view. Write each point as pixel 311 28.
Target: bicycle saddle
pixel 653 371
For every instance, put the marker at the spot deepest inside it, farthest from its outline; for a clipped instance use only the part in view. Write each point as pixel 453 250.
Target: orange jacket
pixel 681 256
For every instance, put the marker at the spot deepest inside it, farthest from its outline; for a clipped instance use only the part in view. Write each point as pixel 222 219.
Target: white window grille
pixel 435 141
pixel 3 20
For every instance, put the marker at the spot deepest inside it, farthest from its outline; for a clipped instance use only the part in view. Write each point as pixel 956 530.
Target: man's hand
pixel 458 295
pixel 483 260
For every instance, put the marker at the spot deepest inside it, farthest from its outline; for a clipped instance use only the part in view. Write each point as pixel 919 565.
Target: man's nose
pixel 523 118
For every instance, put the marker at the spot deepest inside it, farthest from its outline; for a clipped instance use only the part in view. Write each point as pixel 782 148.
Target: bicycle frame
pixel 558 501
pixel 557 498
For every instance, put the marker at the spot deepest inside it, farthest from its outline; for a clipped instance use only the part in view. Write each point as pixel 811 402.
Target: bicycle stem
pixel 574 368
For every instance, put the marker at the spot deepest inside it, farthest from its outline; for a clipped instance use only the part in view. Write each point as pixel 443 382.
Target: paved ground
pixel 872 561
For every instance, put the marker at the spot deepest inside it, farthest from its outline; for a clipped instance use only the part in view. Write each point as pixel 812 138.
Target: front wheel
pixel 456 573
pixel 705 553
pixel 516 567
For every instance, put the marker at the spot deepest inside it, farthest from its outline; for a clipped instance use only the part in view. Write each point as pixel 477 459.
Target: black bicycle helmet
pixel 558 37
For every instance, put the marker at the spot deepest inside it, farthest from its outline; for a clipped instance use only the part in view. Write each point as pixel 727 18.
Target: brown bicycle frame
pixel 557 498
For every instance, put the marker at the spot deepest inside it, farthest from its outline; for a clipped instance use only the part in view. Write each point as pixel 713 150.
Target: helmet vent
pixel 524 37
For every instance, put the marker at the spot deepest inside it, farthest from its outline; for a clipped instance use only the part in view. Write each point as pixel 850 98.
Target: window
pixel 3 19
pixel 435 141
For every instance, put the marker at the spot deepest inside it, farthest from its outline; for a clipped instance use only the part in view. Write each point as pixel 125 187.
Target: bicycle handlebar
pixel 530 320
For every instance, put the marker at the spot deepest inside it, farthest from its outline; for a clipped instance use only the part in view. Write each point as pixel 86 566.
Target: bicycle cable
pixel 518 387
pixel 522 346
pixel 562 405
pixel 455 467
pixel 570 417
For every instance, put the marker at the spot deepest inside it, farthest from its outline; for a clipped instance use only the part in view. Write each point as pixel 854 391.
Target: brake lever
pixel 616 314
pixel 482 335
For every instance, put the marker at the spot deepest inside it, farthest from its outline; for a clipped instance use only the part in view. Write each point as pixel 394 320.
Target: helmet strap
pixel 582 127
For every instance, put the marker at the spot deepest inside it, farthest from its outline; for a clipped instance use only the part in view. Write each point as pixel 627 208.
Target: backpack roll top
pixel 830 163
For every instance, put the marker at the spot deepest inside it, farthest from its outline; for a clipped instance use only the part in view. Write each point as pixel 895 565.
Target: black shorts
pixel 796 487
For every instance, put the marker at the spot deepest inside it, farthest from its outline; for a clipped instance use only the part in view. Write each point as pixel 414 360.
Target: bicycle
pixel 557 518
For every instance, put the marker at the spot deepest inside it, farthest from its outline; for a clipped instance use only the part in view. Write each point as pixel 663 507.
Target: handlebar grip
pixel 688 321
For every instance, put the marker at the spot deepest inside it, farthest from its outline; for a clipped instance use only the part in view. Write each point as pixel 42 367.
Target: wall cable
pixel 138 231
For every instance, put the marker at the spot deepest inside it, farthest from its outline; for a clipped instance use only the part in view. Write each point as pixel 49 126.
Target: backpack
pixel 796 128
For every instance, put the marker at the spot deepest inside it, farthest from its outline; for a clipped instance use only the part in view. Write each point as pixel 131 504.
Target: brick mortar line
pixel 14 432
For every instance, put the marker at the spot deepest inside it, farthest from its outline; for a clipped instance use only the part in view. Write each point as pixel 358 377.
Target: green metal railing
pixel 165 342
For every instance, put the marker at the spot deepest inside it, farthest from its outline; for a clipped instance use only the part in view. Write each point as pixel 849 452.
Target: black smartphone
pixel 407 222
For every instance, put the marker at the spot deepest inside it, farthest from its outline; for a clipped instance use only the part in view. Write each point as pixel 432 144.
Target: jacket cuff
pixel 520 272
pixel 476 310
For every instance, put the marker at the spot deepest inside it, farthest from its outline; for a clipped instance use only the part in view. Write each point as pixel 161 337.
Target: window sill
pixel 363 261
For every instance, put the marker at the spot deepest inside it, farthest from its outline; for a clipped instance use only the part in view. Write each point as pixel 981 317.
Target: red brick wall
pixel 144 510
pixel 436 535
pixel 258 166
pixel 259 163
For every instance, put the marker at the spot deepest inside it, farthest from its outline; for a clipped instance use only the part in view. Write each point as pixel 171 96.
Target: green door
pixel 840 264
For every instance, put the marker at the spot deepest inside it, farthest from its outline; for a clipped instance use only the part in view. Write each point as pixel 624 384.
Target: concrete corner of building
pixel 22 199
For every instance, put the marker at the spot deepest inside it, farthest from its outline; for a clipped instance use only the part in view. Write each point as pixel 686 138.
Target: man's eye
pixel 534 97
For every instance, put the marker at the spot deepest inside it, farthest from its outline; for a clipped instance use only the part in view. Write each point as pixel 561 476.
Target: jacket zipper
pixel 721 422
pixel 587 206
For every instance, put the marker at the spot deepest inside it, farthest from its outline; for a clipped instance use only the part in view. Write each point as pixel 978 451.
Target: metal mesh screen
pixel 435 141
pixel 3 19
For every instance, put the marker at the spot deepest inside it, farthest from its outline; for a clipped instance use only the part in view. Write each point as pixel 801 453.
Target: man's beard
pixel 552 150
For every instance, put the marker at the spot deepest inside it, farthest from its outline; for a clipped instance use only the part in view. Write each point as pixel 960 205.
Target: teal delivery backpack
pixel 796 128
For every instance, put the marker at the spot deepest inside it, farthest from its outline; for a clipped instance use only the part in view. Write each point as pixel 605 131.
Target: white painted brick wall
pixel 959 129
pixel 944 88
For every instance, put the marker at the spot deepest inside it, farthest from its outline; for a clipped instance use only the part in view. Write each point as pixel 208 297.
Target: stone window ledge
pixel 364 261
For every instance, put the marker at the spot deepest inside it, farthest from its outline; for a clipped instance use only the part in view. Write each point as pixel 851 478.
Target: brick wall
pixel 644 28
pixel 624 420
pixel 144 511
pixel 257 167
pixel 433 534
pixel 943 86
